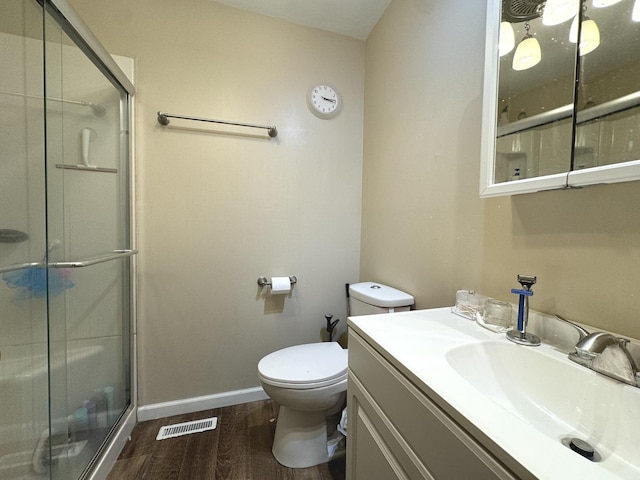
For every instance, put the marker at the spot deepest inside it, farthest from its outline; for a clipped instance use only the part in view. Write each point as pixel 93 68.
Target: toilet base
pixel 301 438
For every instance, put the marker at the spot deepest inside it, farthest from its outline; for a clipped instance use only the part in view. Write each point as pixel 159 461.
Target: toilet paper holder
pixel 264 281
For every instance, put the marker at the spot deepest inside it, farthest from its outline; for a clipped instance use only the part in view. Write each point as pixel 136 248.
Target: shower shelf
pixel 86 169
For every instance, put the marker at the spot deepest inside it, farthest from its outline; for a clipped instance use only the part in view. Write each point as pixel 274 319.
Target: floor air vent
pixel 179 429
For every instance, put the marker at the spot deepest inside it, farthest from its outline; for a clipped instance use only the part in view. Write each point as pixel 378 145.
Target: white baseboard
pixel 196 404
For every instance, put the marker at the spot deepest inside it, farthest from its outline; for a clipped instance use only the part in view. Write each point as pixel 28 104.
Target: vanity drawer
pixel 445 449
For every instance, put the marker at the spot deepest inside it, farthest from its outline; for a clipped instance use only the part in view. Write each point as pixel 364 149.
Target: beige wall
pixel 425 229
pixel 216 211
pixel 422 221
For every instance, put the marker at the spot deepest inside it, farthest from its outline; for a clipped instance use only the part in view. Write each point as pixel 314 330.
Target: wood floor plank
pixel 129 468
pixel 337 469
pixel 200 459
pixel 167 455
pixel 263 465
pixel 143 439
pixel 261 412
pixel 239 448
pixel 166 462
pixel 234 459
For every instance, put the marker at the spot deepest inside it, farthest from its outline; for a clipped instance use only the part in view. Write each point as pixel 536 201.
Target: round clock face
pixel 324 101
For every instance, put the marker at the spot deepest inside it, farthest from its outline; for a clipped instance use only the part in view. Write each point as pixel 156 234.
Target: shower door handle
pixel 20 266
pixel 77 264
pixel 87 262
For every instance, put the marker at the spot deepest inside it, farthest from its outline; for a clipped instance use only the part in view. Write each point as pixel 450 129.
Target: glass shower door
pixel 23 294
pixel 64 245
pixel 88 238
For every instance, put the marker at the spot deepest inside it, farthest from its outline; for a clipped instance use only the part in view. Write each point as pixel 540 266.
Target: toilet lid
pixel 302 364
pixel 380 295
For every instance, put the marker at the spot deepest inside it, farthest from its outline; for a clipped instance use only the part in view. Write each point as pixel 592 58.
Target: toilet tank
pixel 367 298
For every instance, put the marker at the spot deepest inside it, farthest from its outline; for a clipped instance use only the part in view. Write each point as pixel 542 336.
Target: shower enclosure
pixel 65 244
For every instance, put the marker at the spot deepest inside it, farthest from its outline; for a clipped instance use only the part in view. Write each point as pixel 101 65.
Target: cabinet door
pixel 373 460
pixel 421 437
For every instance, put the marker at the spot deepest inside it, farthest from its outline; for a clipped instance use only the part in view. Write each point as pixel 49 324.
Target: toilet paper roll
pixel 280 285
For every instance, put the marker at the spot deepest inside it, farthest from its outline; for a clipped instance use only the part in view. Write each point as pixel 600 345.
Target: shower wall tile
pixel 23 396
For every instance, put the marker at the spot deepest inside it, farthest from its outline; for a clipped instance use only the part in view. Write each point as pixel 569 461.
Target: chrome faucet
pixel 607 354
pixel 520 334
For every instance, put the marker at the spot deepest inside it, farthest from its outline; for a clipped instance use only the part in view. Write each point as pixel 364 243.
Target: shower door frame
pixel 80 33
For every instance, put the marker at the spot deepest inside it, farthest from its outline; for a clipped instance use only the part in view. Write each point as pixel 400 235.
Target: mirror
pixel 608 94
pixel 534 99
pixel 561 113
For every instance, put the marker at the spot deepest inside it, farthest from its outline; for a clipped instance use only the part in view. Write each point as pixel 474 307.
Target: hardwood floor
pixel 238 449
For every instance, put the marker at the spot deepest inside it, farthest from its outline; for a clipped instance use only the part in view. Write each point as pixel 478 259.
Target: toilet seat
pixel 313 365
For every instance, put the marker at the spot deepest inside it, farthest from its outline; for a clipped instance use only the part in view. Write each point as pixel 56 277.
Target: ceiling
pixel 355 18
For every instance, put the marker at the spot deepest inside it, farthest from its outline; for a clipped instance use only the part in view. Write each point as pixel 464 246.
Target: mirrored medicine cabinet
pixel 558 112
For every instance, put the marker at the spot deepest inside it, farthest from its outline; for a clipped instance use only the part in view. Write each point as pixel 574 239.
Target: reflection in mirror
pixel 566 110
pixel 535 89
pixel 608 118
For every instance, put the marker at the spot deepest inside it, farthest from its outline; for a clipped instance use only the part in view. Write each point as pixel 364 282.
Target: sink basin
pixel 557 397
pixel 526 402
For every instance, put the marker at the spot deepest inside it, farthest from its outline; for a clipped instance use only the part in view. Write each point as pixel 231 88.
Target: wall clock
pixel 324 101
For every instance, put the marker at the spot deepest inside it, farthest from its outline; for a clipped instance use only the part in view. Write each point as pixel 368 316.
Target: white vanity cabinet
pixel 397 430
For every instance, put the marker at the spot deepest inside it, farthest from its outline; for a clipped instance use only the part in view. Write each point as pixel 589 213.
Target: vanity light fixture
pixel 558 11
pixel 604 3
pixel 635 14
pixel 507 38
pixel 589 35
pixel 528 53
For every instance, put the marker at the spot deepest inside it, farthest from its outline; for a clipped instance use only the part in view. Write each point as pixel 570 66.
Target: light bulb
pixel 507 39
pixel 528 54
pixel 589 37
pixel 604 3
pixel 559 11
pixel 635 14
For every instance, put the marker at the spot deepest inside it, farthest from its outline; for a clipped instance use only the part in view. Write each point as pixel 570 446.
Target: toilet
pixel 309 381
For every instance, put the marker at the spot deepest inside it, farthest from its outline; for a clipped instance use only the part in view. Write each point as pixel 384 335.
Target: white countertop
pixel 417 343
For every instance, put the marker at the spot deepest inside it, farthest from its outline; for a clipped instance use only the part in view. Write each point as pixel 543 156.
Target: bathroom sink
pixel 557 397
pixel 526 402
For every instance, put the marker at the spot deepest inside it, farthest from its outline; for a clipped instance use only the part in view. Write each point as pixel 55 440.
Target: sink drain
pixel 582 447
